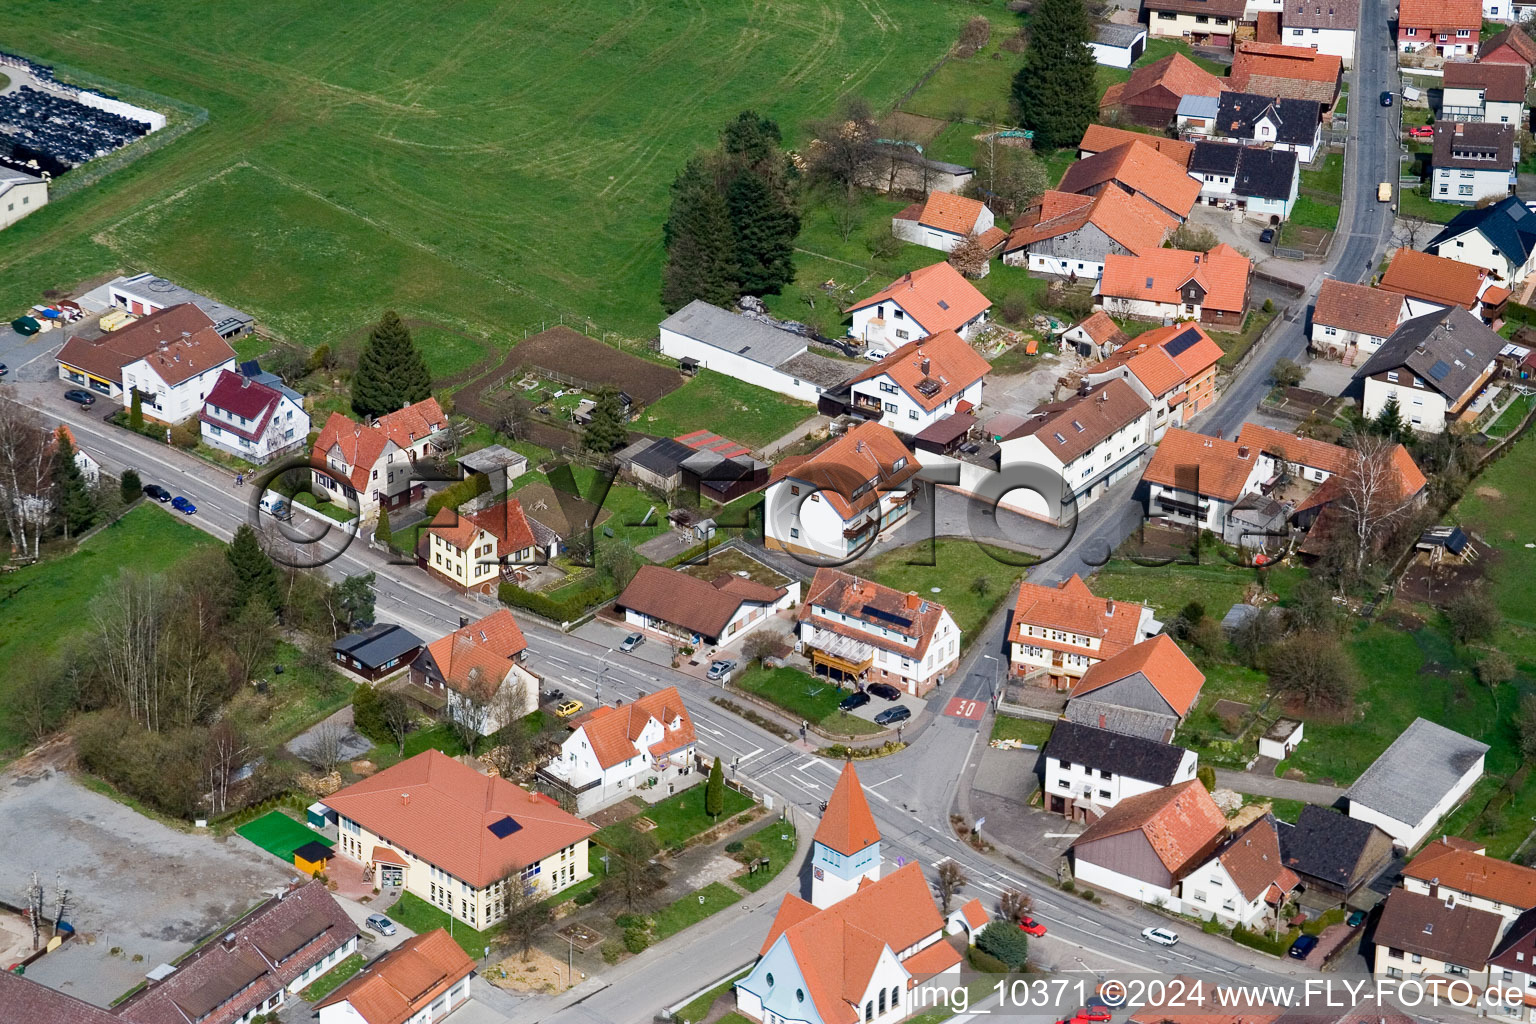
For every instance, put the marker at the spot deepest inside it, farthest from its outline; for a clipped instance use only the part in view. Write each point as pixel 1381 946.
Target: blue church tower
pixel 846 849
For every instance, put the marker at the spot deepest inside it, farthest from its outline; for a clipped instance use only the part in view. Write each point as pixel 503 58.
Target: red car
pixel 1423 131
pixel 1031 927
pixel 1096 1014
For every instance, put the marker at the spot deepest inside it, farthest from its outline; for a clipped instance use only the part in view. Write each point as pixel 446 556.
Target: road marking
pixel 965 708
pixel 872 785
pixel 744 757
pixel 880 796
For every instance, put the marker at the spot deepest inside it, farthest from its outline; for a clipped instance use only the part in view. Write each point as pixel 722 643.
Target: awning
pixel 384 855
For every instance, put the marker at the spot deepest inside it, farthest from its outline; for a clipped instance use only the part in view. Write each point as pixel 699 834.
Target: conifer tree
pixel 1055 89
pixel 1389 421
pixel 255 576
pixel 71 496
pixel 136 411
pixel 130 486
pixel 391 373
pixel 714 790
pixel 382 532
pixel 606 431
pixel 701 246
pixel 765 228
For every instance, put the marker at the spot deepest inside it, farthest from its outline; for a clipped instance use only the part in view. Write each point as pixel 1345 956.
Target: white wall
pixel 1092 876
pixel 900 410
pixel 1455 185
pixel 1061 266
pixel 885 327
pixel 1423 409
pixel 1337 42
pixel 1111 56
pixel 1209 891
pixel 1409 834
pixel 1471 247
pixel 19 200
pixel 289 426
pixel 1074 780
pixel 680 346
pixel 164 402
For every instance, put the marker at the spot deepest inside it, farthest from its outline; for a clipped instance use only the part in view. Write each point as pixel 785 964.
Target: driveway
pixel 336 729
pixel 1280 789
pixel 1328 376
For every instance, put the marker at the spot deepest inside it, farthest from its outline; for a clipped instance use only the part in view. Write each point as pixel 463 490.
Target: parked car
pixel 1029 926
pixel 1097 1014
pixel 565 709
pixel 854 701
pixel 380 924
pixel 157 492
pixel 1303 946
pixel 553 696
pixel 891 716
pixel 79 397
pixel 884 691
pixel 1386 99
pixel 631 642
pixel 183 506
pixel 4 369
pixel 1423 131
pixel 719 668
pixel 1267 235
pixel 1356 918
pixel 1161 936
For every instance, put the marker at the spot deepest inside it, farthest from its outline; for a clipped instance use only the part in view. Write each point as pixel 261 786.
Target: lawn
pixel 626 506
pixel 961 566
pixel 777 839
pixel 347 166
pixel 1411 204
pixel 1216 584
pixel 682 816
pixel 979 87
pixel 334 978
pixel 805 697
pixel 695 1010
pixel 420 916
pixel 743 412
pixel 45 603
pixel 1033 731
pixel 1235 346
pixel 329 509
pixel 280 835
pixel 1313 213
pixel 1329 179
pixel 691 909
pixel 1510 418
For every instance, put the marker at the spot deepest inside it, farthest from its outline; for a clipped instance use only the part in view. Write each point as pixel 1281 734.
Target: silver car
pixel 1161 936
pixel 380 924
pixel 631 642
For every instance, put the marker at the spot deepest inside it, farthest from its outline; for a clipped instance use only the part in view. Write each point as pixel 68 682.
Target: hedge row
pixel 454 495
pixel 573 607
pixel 1263 943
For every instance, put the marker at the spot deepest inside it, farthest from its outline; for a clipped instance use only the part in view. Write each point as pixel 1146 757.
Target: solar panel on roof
pixel 884 616
pixel 503 828
pixel 1178 346
pixel 1439 370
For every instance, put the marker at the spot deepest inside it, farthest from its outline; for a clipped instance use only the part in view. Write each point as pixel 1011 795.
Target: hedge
pixel 1263 943
pixel 573 607
pixel 454 495
pixel 1519 313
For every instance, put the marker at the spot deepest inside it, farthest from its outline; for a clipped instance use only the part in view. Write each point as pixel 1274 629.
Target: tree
pixel 252 638
pixel 1527 727
pixel 514 749
pixel 1412 229
pixel 758 645
pixel 981 586
pixel 1312 669
pixel 1055 89
pixel 1191 237
pixel 351 601
pixel 632 873
pixel 1389 422
pixel 255 577
pixel 700 242
pixel 130 622
pixel 607 430
pixel 1009 178
pixel 512 414
pixel 844 147
pixel 397 716
pixel 765 227
pixel 26 478
pixel 970 257
pixel 323 746
pixel 1252 637
pixel 752 141
pixel 617 561
pixel 1207 776
pixel 129 486
pixel 382 531
pixel 1495 668
pixel 714 790
pixel 1371 496
pixel 1473 615
pixel 225 754
pixel 1006 943
pixel 1014 905
pixel 136 411
pixel 71 496
pixel 1286 374
pixel 368 713
pixel 948 881
pixel 391 372
pixel 527 915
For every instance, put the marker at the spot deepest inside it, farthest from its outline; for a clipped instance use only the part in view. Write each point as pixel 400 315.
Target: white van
pixel 275 505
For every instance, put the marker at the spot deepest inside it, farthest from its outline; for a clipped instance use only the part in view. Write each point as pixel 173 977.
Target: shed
pixel 1416 781
pixel 657 464
pixel 1237 615
pixel 944 436
pixel 377 651
pixel 499 463
pixel 1118 46
pixel 311 858
pixel 1450 539
pixel 317 815
pixel 1280 739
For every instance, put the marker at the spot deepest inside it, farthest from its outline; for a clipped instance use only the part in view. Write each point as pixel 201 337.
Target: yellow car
pixel 567 708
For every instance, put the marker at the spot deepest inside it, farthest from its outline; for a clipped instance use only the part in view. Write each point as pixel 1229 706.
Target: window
pixel 902 335
pixel 1201 19
pixel 911 414
pixel 869 1010
pixel 900 315
pixel 1464 190
pixel 895 996
pixel 1395 954
pixel 1411 32
pixel 890 406
pixel 1330 331
pixel 1463 33
pixel 1445 189
pixel 793 532
pixel 882 1000
pixel 1392 376
pixel 794 489
pixel 1166 15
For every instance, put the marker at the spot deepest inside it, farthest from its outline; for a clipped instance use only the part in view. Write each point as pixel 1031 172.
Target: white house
pixel 253 421
pixel 1327 26
pixel 857 631
pixel 1270 121
pixel 420 981
pixel 1490 92
pixel 701 335
pixel 1435 365
pixel 1500 238
pixel 921 383
pixel 925 301
pixel 1431 284
pixel 1245 883
pixel 1088 770
pixel 1117 46
pixel 90 469
pixel 683 608
pixel 1473 161
pixel 837 500
pixel 1263 183
pixel 611 751
pixel 20 194
pixel 1416 781
pixel 374 464
pixel 1058 633
pixel 1351 321
pixel 1146 845
pixel 175 379
pixel 944 220
pixel 1458 870
pixel 1070 235
pixel 1197 479
pixel 145 294
pixel 478 669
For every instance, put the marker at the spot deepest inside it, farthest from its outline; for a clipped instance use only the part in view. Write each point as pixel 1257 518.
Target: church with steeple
pixel 846 850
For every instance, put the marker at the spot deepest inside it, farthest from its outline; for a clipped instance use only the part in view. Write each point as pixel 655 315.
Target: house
pixel 836 500
pixel 24 1001
pixel 173 381
pixel 145 294
pixel 1494 93
pixel 1327 26
pixel 1070 235
pixel 1174 284
pixel 461 837
pixel 1500 238
pixel 921 383
pixel 1351 321
pixel 1151 96
pixel 1511 46
pixel 1244 883
pixel 1418 934
pixel 1117 46
pixel 22 193
pixel 612 751
pixel 1457 870
pixel 378 651
pixel 1196 117
pixel 470 667
pixel 1084 445
pixel 1139 170
pixel 1257 120
pixel 692 610
pixel 1512 965
pixel 1172 368
pixel 270 954
pixel 1439 28
pixel 182 335
pixel 374 464
pixel 1146 845
pixel 1284 735
pixel 253 421
pixel 1088 770
pixel 1473 162
pixel 925 301
pixel 1287 72
pixel 1199 480
pixel 478 549
pixel 857 631
pixel 1262 182
pixel 1416 781
pixel 1333 854
pixel 1197 22
pixel 420 981
pixel 1099 137
pixel 1146 691
pixel 1433 283
pixel 944 220
pixel 85 462
pixel 1434 365
pixel 1094 338
pixel 750 350
pixel 1058 633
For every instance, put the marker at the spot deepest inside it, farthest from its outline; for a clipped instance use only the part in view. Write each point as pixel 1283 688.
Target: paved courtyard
pixel 144 890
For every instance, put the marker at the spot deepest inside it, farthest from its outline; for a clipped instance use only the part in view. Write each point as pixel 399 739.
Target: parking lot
pixel 142 893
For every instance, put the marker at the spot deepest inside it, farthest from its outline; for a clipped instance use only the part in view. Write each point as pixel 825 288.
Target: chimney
pixel 1242 451
pixel 1459 127
pixel 245 382
pixel 228 942
pixel 1103 721
pixel 912 600
pixel 405 799
pixel 927 364
pixel 1109 607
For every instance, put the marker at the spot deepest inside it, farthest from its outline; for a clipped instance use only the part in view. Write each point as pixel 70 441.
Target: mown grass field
pixel 485 168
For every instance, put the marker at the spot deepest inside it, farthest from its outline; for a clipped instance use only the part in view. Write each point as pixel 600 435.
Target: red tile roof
pixel 1130 220
pixel 1102 328
pixel 1158 276
pixel 1099 137
pixel 106 356
pixel 1182 824
pixel 1434 278
pixel 1139 168
pixel 1166 667
pixel 708 441
pixel 180 359
pixel 1356 307
pixel 358 446
pixel 442 812
pixel 699 606
pixel 946 211
pixel 23 1001
pixel 1271 60
pixel 1501 83
pixel 1204 465
pixel 1071 607
pixel 1252 860
pixel 614 733
pixel 854 597
pixel 384 855
pixel 1151 358
pixel 413 423
pixel 1476 874
pixel 931 370
pixel 975 914
pixel 1440 15
pixel 1512 45
pixel 936 296
pixel 476 658
pixel 1295 449
pixel 504 521
pixel 405 980
pixel 846 463
pixel 847 826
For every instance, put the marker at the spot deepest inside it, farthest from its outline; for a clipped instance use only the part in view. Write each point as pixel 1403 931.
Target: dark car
pixel 854 701
pixel 1356 918
pixel 79 397
pixel 183 506
pixel 4 369
pixel 157 492
pixel 1267 235
pixel 553 696
pixel 1303 946
pixel 885 691
pixel 890 716
pixel 1386 99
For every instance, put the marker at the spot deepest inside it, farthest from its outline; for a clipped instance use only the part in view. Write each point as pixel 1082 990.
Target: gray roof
pixel 1116 753
pixel 822 371
pixel 1340 14
pixel 732 332
pixel 708 465
pixel 1448 351
pixel 1199 106
pixel 378 644
pixel 1416 771
pixel 488 460
pixel 1148 725
pixel 1118 35
pixel 663 456
pixel 10 176
pixel 168 293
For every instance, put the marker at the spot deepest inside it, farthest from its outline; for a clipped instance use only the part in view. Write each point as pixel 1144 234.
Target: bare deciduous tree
pixel 130 625
pixel 323 746
pixel 252 636
pixel 844 147
pixel 1015 904
pixel 225 754
pixel 26 478
pixel 1371 495
pixel 469 709
pixel 527 916
pixel 948 882
pixel 398 717
pixel 1410 230
pixel 970 257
